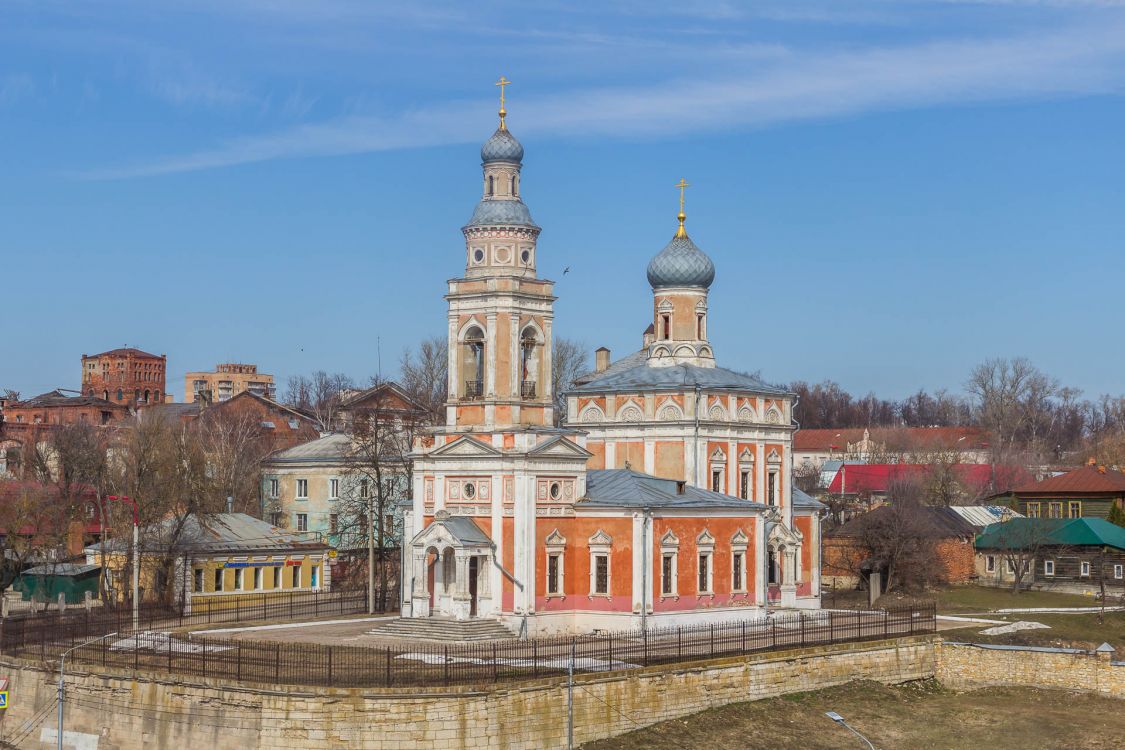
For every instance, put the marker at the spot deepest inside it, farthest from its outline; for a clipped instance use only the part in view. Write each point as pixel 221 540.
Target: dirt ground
pixel 917 715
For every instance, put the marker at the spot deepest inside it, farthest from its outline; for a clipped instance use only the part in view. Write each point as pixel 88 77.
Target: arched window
pixel 137 395
pixel 699 327
pixel 528 363
pixel 120 395
pixel 472 362
pixel 148 393
pixel 491 185
pixel 514 191
pixel 105 395
pixel 665 326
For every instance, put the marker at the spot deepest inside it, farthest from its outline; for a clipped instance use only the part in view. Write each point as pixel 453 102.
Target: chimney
pixel 601 359
pixel 230 504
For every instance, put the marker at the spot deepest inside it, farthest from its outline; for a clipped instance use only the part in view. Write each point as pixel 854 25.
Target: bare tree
pixel 569 360
pixel 377 479
pixel 319 396
pixel 900 538
pixel 1009 397
pixel 425 375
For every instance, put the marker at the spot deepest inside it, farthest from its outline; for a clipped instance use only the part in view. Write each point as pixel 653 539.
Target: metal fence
pixel 418 664
pixel 18 630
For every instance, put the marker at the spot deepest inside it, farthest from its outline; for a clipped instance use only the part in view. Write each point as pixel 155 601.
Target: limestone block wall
pixel 115 712
pixel 968 667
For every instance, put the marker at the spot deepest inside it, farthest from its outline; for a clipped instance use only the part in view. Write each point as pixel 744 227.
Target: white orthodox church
pixel 668 491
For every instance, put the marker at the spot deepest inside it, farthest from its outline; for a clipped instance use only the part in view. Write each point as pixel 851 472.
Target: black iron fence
pixel 419 663
pixel 19 629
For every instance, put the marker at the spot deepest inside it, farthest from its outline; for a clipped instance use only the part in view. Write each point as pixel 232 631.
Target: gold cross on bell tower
pixel 503 112
pixel 681 233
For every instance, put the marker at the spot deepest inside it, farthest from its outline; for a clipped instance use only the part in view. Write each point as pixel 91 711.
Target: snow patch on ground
pixel 585 663
pixel 163 643
pixel 1015 627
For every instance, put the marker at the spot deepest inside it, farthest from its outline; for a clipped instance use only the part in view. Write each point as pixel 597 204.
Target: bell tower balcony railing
pixel 474 389
pixel 527 389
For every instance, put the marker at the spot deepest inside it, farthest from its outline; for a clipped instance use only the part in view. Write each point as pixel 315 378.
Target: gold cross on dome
pixel 681 232
pixel 502 83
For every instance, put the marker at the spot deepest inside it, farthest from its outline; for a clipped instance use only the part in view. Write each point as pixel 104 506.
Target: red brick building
pixel 125 376
pixel 26 422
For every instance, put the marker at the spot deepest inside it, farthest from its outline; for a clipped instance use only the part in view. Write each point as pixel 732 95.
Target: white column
pixel 761 561
pixel 650 457
pixel 492 569
pixel 638 559
pixel 610 453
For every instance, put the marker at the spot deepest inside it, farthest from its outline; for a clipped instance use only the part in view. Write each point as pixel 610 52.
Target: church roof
pixel 502 146
pixel 489 212
pixel 681 263
pixel 625 487
pixel 641 376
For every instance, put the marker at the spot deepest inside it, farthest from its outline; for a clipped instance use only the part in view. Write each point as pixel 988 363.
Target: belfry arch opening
pixel 472 363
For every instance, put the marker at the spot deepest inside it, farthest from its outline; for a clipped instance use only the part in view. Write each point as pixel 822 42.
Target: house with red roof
pixel 879 444
pixel 873 482
pixel 1089 492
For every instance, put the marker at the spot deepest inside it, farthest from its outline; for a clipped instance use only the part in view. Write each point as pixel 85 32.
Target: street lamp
pixel 62 686
pixel 840 720
pixel 136 557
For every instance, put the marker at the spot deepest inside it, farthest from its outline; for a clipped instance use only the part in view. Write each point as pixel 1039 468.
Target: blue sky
pixel 891 191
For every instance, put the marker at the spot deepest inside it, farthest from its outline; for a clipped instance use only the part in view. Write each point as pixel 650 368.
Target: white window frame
pixel 772 488
pixel 333 489
pixel 738 546
pixel 297 522
pixel 198 581
pixel 1049 568
pixel 296 577
pixel 1119 571
pixel 560 586
pixel 1084 568
pixel 668 585
pixel 990 563
pixel 238 579
pixel 1010 566
pixel 705 550
pixel 302 491
pixel 220 575
pixel 258 578
pixel 600 545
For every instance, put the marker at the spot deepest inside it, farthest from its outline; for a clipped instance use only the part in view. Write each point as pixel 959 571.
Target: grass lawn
pixel 917 715
pixel 1067 631
pixel 955 599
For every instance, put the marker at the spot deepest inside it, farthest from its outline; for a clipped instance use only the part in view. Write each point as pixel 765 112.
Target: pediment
pixel 600 539
pixel 705 539
pixel 560 446
pixel 740 538
pixel 773 457
pixel 665 305
pixel 746 457
pixel 718 455
pixel 466 446
pixel 782 534
pixel 555 539
pixel 669 539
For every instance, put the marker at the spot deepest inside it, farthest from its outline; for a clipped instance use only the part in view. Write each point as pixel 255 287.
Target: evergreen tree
pixel 1116 515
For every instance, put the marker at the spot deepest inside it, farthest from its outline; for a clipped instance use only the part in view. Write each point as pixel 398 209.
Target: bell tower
pixel 500 313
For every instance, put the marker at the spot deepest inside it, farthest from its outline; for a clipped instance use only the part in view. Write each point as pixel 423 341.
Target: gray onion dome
pixel 502 146
pixel 681 263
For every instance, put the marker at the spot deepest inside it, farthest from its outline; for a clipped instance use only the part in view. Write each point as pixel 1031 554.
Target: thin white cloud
pixel 1072 63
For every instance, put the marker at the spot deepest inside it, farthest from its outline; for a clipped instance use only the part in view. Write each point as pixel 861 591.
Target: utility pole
pixel 62 684
pixel 136 558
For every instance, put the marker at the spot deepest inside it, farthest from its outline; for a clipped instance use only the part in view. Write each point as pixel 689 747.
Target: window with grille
pixel 554 573
pixel 601 574
pixel 744 484
pixel 771 488
pixel 333 488
pixel 704 573
pixel 736 571
pixel 716 480
pixel 668 573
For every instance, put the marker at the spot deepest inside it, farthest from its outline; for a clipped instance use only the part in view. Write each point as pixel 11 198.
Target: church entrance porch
pixel 447 561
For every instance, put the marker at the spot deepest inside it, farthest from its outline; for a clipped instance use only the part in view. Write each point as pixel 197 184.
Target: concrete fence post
pixel 88 600
pixel 62 602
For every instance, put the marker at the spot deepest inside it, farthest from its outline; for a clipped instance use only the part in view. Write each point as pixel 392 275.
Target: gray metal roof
pixel 804 500
pixel 464 530
pixel 681 263
pixel 330 448
pixel 631 360
pixel 60 569
pixel 489 212
pixel 626 488
pixel 220 532
pixel 501 146
pixel 674 377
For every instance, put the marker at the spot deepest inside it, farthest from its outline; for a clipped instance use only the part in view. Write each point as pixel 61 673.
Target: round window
pixel 470 490
pixel 525 256
pixel 478 255
pixel 556 490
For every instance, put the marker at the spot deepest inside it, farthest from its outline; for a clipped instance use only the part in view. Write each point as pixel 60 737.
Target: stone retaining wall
pixel 967 667
pixel 115 712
